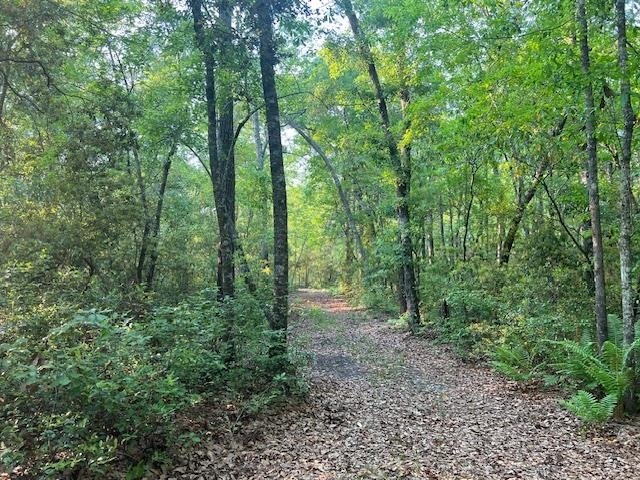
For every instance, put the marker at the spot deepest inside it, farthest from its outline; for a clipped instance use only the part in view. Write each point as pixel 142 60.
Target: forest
pixel 328 239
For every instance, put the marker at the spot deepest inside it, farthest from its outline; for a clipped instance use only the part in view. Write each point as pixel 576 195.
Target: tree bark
pixel 626 226
pixel 401 166
pixel 226 156
pixel 220 170
pixel 278 321
pixel 626 201
pixel 592 177
pixel 144 243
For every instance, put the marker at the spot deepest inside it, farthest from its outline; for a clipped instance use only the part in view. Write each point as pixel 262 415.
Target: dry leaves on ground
pixel 384 405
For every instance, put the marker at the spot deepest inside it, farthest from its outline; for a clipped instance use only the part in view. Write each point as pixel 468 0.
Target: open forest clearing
pixel 183 181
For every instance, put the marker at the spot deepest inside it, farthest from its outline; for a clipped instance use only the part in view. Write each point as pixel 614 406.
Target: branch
pixel 564 225
pixel 32 61
pixel 197 155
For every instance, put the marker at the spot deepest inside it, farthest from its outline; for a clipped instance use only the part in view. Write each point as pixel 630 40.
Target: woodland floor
pixel 384 405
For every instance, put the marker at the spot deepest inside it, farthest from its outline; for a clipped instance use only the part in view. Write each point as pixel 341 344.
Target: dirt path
pixel 384 405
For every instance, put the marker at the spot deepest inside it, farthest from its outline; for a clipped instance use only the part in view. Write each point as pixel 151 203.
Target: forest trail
pixel 384 405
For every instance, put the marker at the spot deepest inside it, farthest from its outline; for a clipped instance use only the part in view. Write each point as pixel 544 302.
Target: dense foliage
pixel 469 166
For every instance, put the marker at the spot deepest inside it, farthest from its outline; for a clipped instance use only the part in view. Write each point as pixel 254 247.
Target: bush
pixel 79 389
pixel 89 386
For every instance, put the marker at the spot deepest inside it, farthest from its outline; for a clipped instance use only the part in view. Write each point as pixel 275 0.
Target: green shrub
pixel 89 386
pixel 77 390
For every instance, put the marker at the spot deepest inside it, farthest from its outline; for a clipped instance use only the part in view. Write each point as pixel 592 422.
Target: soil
pixel 386 405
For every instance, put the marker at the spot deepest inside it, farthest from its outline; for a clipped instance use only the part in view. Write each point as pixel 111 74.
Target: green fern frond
pixel 612 355
pixel 588 408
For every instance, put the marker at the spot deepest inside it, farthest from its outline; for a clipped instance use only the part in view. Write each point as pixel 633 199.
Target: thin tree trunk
pixel 429 237
pixel 155 230
pixel 626 226
pixel 443 239
pixel 257 138
pixel 523 202
pixel 278 321
pixel 592 177
pixel 525 198
pixel 336 180
pixel 264 213
pixel 4 88
pixel 144 243
pixel 401 166
pixel 467 213
pixel 500 240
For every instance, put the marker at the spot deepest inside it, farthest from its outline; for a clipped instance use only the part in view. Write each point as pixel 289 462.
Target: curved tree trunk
pixel 336 180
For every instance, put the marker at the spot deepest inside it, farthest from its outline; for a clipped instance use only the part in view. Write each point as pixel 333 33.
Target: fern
pixel 515 362
pixel 609 372
pixel 588 408
pixel 614 328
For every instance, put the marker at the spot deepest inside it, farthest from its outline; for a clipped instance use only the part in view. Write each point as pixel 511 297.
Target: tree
pixel 264 24
pixel 592 175
pixel 626 199
pixel 220 146
pixel 402 170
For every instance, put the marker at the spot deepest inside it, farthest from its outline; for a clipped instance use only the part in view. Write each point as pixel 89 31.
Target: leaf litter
pixel 386 405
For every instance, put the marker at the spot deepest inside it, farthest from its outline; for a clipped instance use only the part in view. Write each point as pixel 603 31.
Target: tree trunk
pixel 626 204
pixel 592 177
pixel 467 213
pixel 155 230
pixel 523 202
pixel 226 156
pixel 525 198
pixel 220 170
pixel 278 321
pixel 431 253
pixel 443 238
pixel 626 226
pixel 257 138
pixel 144 243
pixel 401 166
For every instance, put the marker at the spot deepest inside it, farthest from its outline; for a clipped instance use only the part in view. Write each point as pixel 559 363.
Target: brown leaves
pixel 384 405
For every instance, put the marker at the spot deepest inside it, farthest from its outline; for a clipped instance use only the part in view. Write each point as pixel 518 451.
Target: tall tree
pixel 264 24
pixel 400 164
pixel 221 160
pixel 592 175
pixel 626 226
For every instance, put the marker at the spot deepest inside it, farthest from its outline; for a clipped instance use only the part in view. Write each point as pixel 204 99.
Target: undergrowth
pixel 81 390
